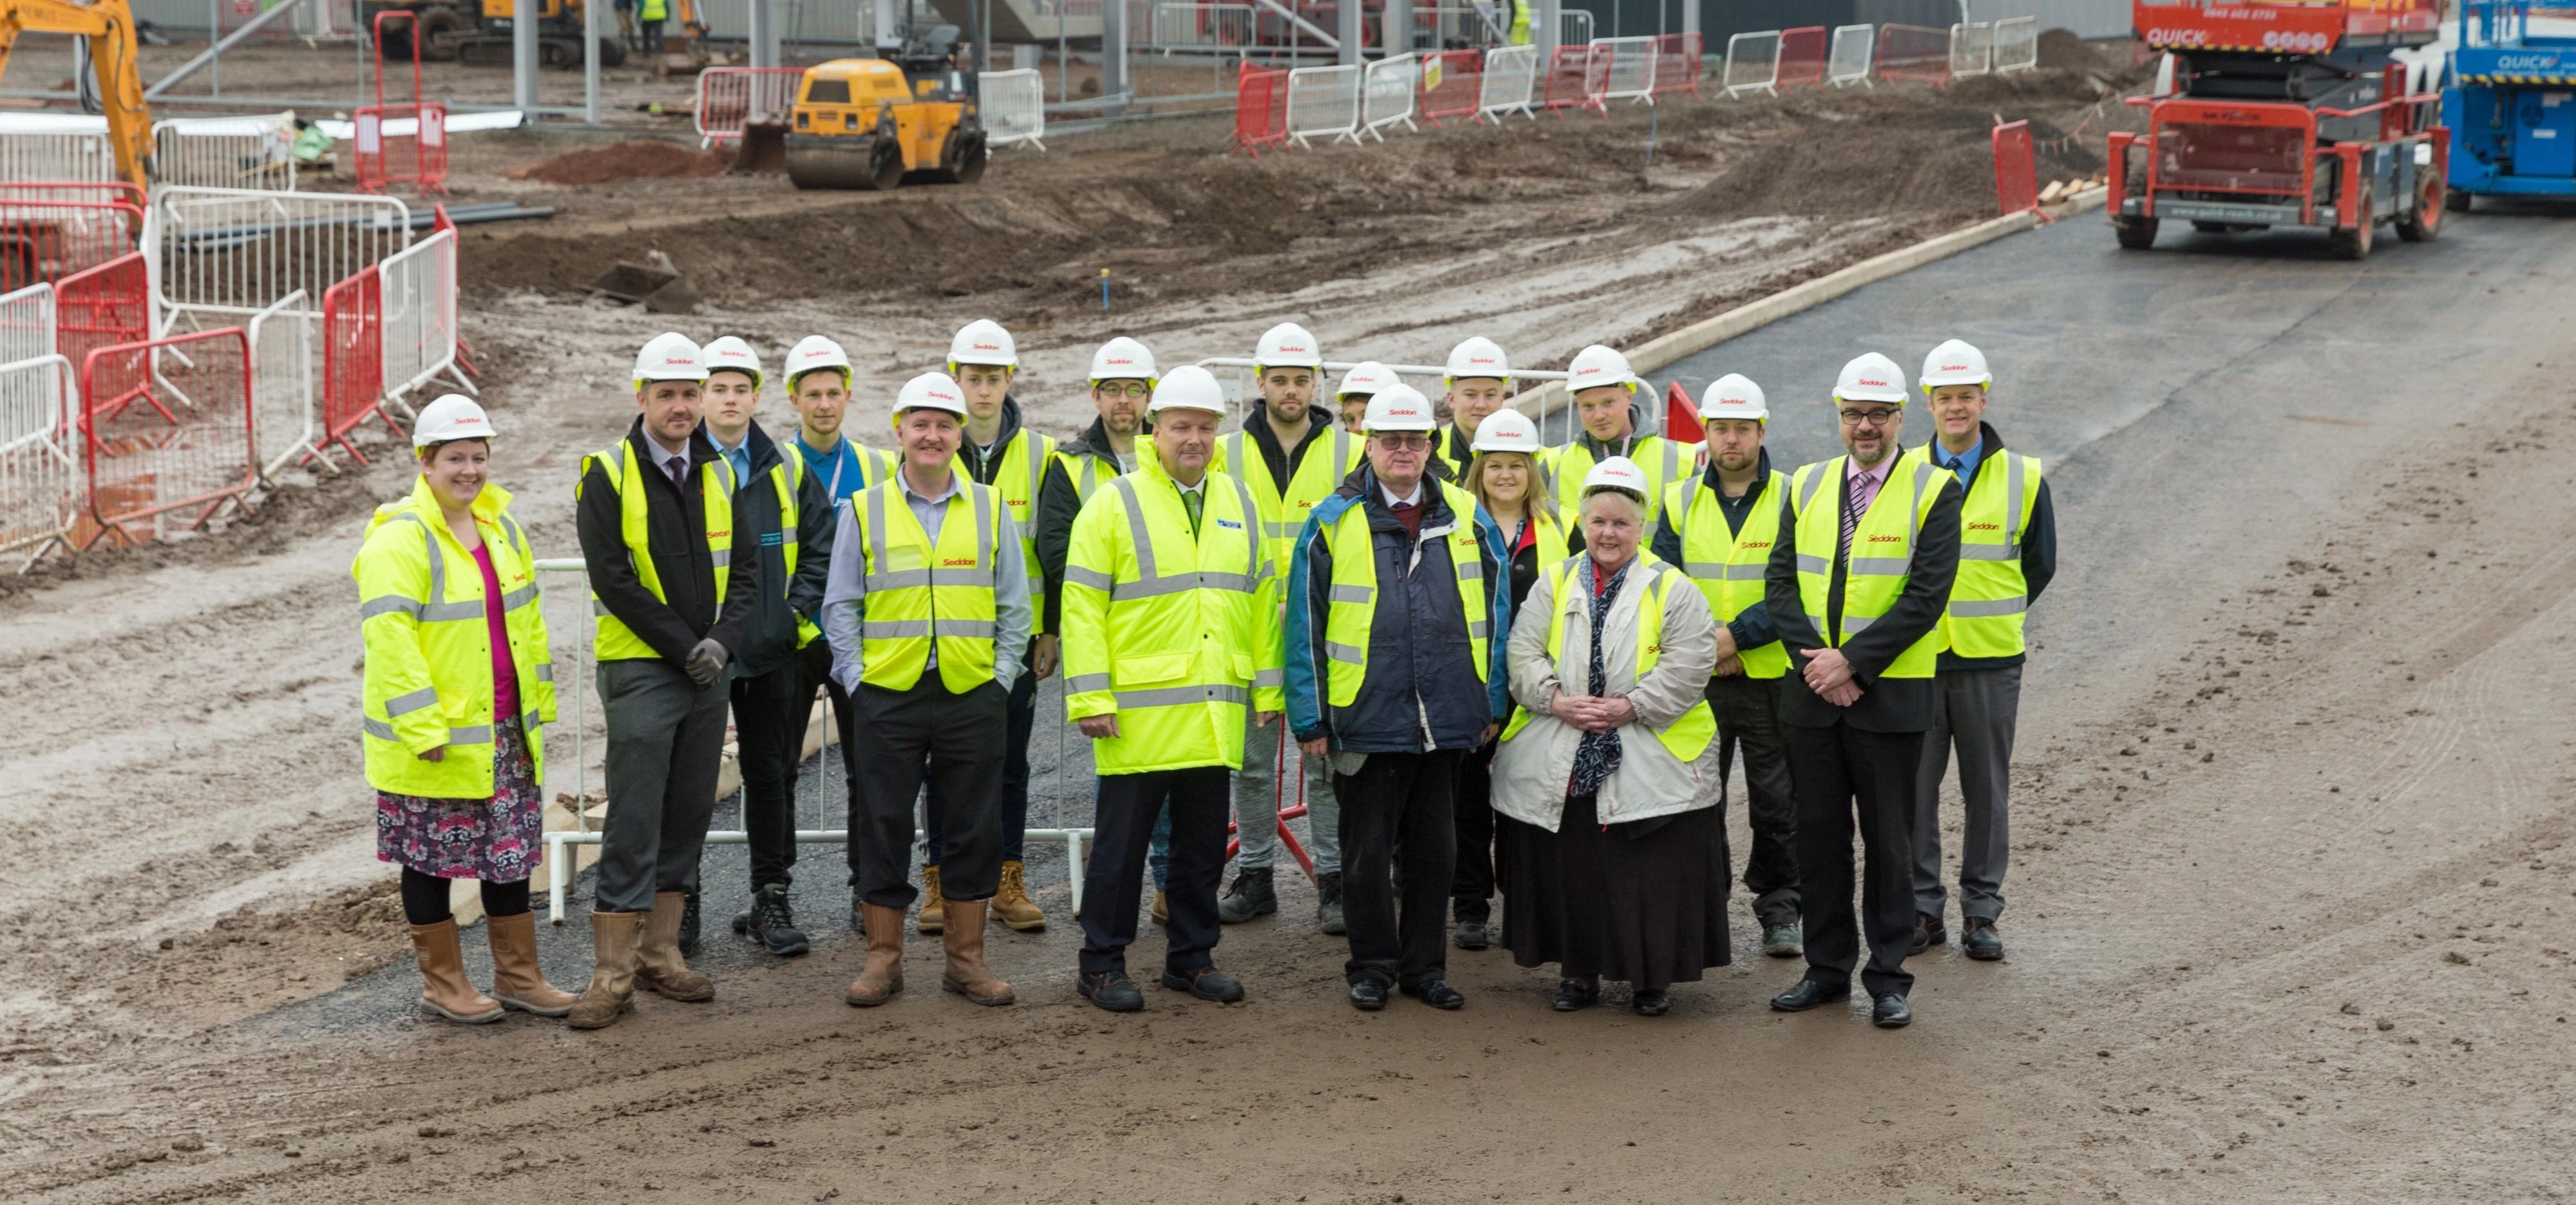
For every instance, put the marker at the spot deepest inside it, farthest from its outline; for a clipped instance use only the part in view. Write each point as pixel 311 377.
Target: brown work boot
pixel 612 972
pixel 1012 905
pixel 967 975
pixel 1162 907
pixel 517 981
pixel 882 977
pixel 444 989
pixel 934 910
pixel 658 964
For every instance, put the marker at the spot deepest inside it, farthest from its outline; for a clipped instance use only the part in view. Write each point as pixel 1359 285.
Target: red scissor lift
pixel 2284 115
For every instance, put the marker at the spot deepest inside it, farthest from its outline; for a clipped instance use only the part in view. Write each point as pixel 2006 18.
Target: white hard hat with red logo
pixel 1506 431
pixel 1955 363
pixel 729 354
pixel 814 353
pixel 930 391
pixel 1618 473
pixel 1367 379
pixel 1122 359
pixel 1478 357
pixel 670 356
pixel 453 416
pixel 983 341
pixel 1399 408
pixel 1189 387
pixel 1288 345
pixel 1871 377
pixel 1733 396
pixel 1597 366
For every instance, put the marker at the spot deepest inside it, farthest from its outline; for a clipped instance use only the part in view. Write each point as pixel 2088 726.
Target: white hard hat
pixel 1733 396
pixel 452 416
pixel 983 341
pixel 729 354
pixel 814 352
pixel 670 356
pixel 1871 377
pixel 1123 359
pixel 1955 363
pixel 1617 473
pixel 1506 431
pixel 1189 387
pixel 1478 357
pixel 1399 408
pixel 1367 378
pixel 931 391
pixel 1288 345
pixel 1596 366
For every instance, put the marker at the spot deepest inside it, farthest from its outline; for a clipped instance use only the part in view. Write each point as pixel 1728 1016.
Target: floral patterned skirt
pixel 496 840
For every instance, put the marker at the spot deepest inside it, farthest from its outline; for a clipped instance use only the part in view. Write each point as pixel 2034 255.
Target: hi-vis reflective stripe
pixel 1988 608
pixel 1724 571
pixel 1347 654
pixel 1149 583
pixel 1176 696
pixel 899 629
pixel 1083 683
pixel 403 705
pixel 1363 595
pixel 897 579
pixel 2015 490
pixel 988 544
pixel 434 610
pixel 477 734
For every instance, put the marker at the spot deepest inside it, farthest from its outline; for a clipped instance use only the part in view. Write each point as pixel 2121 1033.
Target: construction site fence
pixel 219 256
pixel 45 240
pixel 2016 45
pixel 1260 109
pixel 1802 57
pixel 56 148
pixel 1913 52
pixel 282 397
pixel 1323 102
pixel 1453 83
pixel 1576 78
pixel 26 323
pixel 166 435
pixel 1507 83
pixel 1013 106
pixel 1752 63
pixel 2016 169
pixel 401 145
pixel 1848 60
pixel 226 152
pixel 1630 73
pixel 40 474
pixel 1386 94
pixel 418 317
pixel 732 97
pixel 1224 27
pixel 1972 49
pixel 106 306
pixel 353 360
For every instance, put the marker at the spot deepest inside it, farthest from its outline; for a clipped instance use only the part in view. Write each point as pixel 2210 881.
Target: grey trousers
pixel 1974 710
pixel 1256 801
pixel 665 745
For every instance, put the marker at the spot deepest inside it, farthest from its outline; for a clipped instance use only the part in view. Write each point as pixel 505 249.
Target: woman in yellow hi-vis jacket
pixel 457 681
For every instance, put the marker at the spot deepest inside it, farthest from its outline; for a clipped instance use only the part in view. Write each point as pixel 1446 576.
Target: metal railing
pixel 1013 105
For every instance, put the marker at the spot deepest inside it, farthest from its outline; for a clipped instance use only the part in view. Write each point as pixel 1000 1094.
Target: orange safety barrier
pixel 353 359
pixel 1913 52
pixel 1280 803
pixel 729 97
pixel 1802 56
pixel 401 143
pixel 165 425
pixel 1576 78
pixel 1452 82
pixel 1678 63
pixel 43 241
pixel 1260 109
pixel 104 306
pixel 2016 169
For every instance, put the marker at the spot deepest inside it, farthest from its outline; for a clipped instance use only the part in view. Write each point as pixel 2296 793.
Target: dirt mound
pixel 635 159
pixel 2061 50
pixel 1902 157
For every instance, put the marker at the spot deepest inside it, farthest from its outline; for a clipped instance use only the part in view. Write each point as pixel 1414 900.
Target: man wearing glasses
pixel 1858 580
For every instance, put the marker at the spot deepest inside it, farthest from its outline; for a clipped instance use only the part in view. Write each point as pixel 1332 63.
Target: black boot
pixel 1250 896
pixel 771 924
pixel 1328 904
pixel 689 926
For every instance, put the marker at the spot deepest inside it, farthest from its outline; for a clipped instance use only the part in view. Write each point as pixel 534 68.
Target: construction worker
pixel 2007 554
pixel 1170 636
pixel 1520 23
pixel 649 18
pixel 1612 414
pixel 672 584
pixel 1858 578
pixel 1358 385
pixel 1396 620
pixel 998 451
pixel 928 615
pixel 818 387
pixel 1293 459
pixel 1478 379
pixel 1719 527
pixel 782 507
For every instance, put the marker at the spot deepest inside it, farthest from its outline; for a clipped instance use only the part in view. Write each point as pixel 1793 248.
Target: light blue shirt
pixel 1965 463
pixel 737 454
pixel 845 592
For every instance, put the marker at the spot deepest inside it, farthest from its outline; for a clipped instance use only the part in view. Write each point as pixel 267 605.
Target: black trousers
pixel 1748 719
pixel 912 736
pixel 1842 772
pixel 769 717
pixel 1015 775
pixel 1400 801
pixel 1471 889
pixel 1201 800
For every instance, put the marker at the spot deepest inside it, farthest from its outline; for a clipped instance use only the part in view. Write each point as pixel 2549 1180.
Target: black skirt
pixel 1648 910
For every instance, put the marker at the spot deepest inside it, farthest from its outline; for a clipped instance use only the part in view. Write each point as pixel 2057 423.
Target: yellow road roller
pixel 867 123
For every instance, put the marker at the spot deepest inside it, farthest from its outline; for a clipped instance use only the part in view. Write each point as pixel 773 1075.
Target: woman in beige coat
pixel 1606 784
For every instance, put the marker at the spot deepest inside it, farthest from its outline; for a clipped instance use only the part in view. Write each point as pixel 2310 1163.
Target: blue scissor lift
pixel 2511 105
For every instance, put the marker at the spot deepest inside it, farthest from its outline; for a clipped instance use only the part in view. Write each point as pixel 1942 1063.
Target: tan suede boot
pixel 613 937
pixel 967 975
pixel 1162 907
pixel 1012 905
pixel 444 989
pixel 882 977
pixel 934 910
pixel 658 964
pixel 517 981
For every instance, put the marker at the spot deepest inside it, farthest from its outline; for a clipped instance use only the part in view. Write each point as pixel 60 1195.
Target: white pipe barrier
pixel 1972 49
pixel 2016 44
pixel 1013 106
pixel 226 152
pixel 1848 62
pixel 1324 101
pixel 1632 68
pixel 39 481
pixel 1387 89
pixel 27 323
pixel 236 252
pixel 1574 27
pixel 1752 63
pixel 1509 85
pixel 1223 28
pixel 65 147
pixel 419 307
pixel 282 364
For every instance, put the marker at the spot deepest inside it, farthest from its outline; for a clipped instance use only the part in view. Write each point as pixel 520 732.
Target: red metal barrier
pixel 1913 52
pixel 72 190
pixel 165 426
pixel 1260 109
pixel 47 240
pixel 1451 82
pixel 401 143
pixel 1576 78
pixel 353 359
pixel 731 96
pixel 1802 56
pixel 2016 169
pixel 102 307
pixel 1678 63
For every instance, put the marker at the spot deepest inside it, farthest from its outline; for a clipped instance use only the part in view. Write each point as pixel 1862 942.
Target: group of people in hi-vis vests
pixel 1506 668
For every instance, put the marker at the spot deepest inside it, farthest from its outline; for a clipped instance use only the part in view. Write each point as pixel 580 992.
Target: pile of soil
pixel 2061 50
pixel 635 159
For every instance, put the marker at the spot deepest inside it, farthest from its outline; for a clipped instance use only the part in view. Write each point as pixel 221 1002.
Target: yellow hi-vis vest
pixel 428 677
pixel 1688 735
pixel 1283 510
pixel 611 639
pixel 1024 465
pixel 1882 552
pixel 1990 598
pixel 1174 634
pixel 1728 566
pixel 787 480
pixel 917 593
pixel 1352 598
pixel 1664 461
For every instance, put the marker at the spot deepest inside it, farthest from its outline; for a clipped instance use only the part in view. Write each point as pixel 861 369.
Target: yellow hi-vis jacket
pixel 1022 471
pixel 1664 460
pixel 918 592
pixel 1991 597
pixel 1087 471
pixel 1882 552
pixel 612 640
pixel 428 679
pixel 1728 567
pixel 1284 509
pixel 1174 634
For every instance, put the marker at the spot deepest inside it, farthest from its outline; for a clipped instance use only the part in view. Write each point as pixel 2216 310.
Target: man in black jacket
pixel 1858 579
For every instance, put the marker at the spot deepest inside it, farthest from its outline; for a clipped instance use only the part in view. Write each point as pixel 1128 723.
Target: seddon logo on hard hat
pixel 1954 368
pixel 988 347
pixel 1871 381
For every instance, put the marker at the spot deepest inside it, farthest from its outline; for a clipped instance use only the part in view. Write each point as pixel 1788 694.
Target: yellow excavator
pixel 109 27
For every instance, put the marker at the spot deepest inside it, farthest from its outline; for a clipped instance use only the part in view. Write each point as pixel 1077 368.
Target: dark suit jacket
pixel 1885 704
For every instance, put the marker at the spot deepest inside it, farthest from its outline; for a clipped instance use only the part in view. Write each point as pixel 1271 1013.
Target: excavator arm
pixel 109 26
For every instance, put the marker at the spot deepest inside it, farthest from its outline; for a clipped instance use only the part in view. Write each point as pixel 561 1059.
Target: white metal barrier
pixel 1752 63
pixel 2016 44
pixel 27 323
pixel 1014 107
pixel 1574 27
pixel 1848 62
pixel 235 252
pixel 281 382
pixel 1510 83
pixel 1387 89
pixel 65 147
pixel 1972 48
pixel 226 152
pixel 1632 68
pixel 40 477
pixel 1324 101
pixel 1222 27
pixel 419 307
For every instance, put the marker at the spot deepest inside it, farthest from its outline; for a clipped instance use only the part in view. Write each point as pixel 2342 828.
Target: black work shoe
pixel 689 925
pixel 1928 932
pixel 1890 1012
pixel 1653 1003
pixel 1368 995
pixel 1782 940
pixel 771 924
pixel 1806 994
pixel 1206 983
pixel 1328 904
pixel 1438 994
pixel 1981 942
pixel 1471 935
pixel 1250 896
pixel 1110 990
pixel 1574 995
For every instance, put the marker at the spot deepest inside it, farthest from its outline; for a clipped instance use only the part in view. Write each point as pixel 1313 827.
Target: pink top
pixel 1865 482
pixel 505 673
